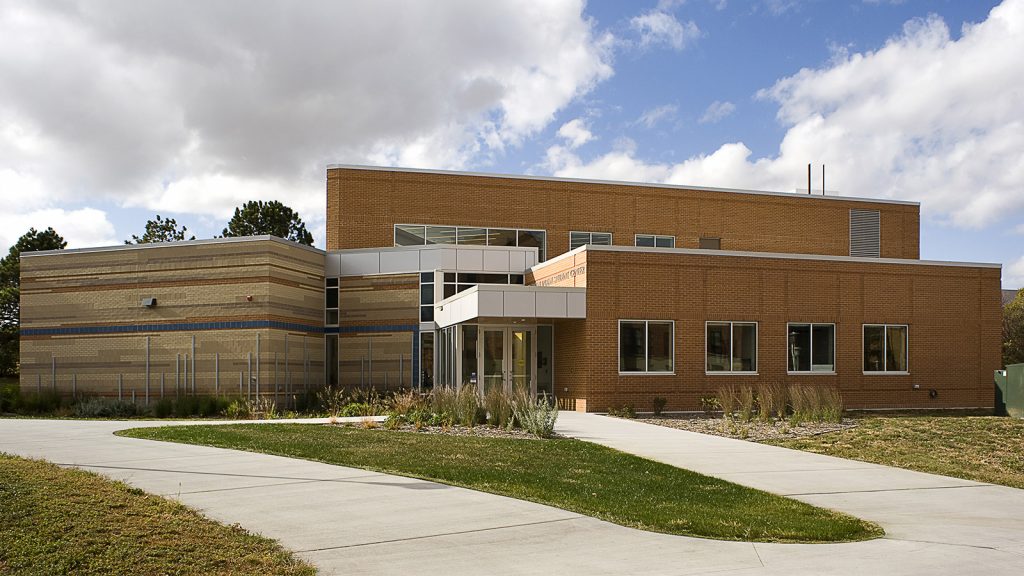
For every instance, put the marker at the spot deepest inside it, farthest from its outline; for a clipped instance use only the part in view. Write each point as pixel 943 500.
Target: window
pixel 646 346
pixel 655 241
pixel 453 283
pixel 812 347
pixel 426 360
pixel 709 243
pixel 577 239
pixel 420 235
pixel 426 296
pixel 331 301
pixel 886 348
pixel 731 347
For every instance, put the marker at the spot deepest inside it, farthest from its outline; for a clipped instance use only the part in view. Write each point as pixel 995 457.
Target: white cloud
pixel 925 118
pixel 1013 274
pixel 146 104
pixel 575 133
pixel 659 28
pixel 82 227
pixel 717 111
pixel 653 116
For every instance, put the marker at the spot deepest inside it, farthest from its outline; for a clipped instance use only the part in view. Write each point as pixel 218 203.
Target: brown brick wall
pixel 953 315
pixel 364 205
pixel 193 283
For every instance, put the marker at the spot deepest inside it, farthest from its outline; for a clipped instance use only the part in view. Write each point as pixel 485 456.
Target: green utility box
pixel 1010 391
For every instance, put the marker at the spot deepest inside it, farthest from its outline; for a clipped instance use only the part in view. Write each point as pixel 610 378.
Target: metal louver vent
pixel 864 233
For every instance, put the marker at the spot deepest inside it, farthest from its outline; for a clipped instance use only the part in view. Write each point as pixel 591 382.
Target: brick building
pixel 599 293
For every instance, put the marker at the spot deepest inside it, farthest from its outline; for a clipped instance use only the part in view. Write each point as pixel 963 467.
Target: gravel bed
pixel 754 430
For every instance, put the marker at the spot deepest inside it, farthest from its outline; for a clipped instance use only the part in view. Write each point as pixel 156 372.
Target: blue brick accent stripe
pixel 376 328
pixel 171 327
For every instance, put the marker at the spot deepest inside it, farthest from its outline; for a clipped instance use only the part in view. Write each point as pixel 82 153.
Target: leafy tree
pixel 256 218
pixel 10 292
pixel 160 230
pixel 1013 330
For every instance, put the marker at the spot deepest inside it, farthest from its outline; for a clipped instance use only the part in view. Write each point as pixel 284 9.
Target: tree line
pixel 255 218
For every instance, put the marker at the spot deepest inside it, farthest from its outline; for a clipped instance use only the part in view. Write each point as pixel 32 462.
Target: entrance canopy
pixel 511 303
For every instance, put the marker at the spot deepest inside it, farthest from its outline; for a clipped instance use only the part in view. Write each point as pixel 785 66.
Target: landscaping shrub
pixel 624 411
pixel 44 402
pixel 105 408
pixel 332 399
pixel 709 404
pixel 186 406
pixel 10 397
pixel 535 416
pixel 261 408
pixel 237 410
pixel 659 405
pixel 163 408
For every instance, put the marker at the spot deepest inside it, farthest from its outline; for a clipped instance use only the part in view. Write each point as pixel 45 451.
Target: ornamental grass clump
pixel 536 416
pixel 499 408
pixel 746 403
pixel 831 404
pixel 727 399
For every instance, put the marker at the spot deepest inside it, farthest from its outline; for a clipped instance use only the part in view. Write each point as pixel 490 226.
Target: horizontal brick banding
pixel 363 205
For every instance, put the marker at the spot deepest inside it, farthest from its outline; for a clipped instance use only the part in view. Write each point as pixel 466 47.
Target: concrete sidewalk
pixel 352 521
pixel 911 506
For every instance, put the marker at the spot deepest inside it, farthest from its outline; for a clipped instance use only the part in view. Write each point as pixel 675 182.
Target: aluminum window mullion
pixel 647 343
pixel 732 363
pixel 810 360
pixel 885 347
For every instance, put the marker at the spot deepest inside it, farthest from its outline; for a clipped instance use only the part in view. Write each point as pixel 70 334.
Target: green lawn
pixel 569 474
pixel 981 448
pixel 62 521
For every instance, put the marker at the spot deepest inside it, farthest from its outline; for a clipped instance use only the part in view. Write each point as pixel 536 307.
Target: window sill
pixel 647 373
pixel 729 373
pixel 866 373
pixel 811 373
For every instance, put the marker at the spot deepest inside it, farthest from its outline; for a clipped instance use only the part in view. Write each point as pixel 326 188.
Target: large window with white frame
pixel 420 235
pixel 811 347
pixel 577 239
pixel 646 346
pixel 731 347
pixel 886 348
pixel 654 241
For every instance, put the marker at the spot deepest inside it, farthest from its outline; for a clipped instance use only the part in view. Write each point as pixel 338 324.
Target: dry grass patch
pixel 980 448
pixel 64 521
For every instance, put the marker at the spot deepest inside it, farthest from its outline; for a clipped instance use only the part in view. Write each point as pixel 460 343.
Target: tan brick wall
pixel 364 205
pixel 239 281
pixel 371 357
pixel 953 315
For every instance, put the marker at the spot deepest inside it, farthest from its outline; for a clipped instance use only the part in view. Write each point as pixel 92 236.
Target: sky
pixel 114 111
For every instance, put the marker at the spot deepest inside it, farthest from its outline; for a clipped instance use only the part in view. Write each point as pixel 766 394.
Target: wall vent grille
pixel 865 235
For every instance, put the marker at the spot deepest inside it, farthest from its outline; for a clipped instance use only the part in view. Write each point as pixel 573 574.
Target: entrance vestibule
pixel 513 358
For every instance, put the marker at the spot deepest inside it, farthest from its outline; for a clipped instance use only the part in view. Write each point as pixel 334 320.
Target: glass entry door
pixel 508 359
pixel 521 361
pixel 492 361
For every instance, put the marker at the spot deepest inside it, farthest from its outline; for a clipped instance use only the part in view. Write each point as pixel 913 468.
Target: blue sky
pixel 112 111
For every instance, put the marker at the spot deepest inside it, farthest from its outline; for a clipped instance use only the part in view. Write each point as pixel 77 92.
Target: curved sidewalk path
pixel 351 521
